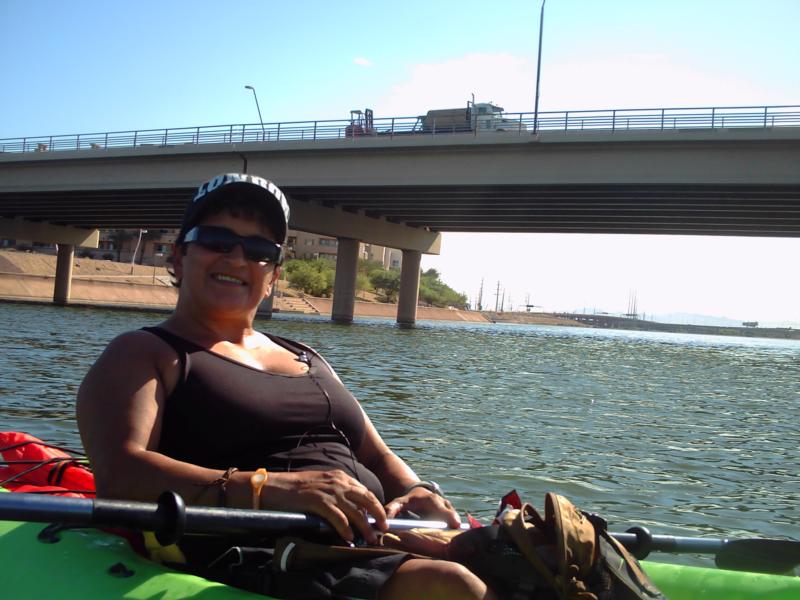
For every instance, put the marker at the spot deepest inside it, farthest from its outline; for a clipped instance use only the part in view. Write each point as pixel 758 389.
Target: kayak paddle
pixel 751 554
pixel 170 518
pixel 763 556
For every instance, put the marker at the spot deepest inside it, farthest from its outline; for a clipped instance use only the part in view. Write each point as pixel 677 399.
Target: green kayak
pixel 87 563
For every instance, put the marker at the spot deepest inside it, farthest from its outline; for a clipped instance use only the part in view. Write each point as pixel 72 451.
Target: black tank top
pixel 223 413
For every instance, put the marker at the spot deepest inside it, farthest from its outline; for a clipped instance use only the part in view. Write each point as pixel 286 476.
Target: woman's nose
pixel 236 253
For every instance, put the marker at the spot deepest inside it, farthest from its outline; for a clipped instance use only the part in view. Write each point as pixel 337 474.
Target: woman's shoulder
pixel 137 345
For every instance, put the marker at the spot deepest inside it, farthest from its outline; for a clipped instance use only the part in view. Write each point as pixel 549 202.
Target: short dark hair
pixel 245 207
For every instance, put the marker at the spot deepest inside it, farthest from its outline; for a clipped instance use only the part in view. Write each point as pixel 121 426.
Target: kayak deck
pixel 78 567
pixel 679 582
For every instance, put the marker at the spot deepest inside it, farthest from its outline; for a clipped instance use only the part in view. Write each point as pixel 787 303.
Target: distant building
pixel 310 245
pixel 154 248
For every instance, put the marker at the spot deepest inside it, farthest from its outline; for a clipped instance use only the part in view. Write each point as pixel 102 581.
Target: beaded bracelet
pixel 222 483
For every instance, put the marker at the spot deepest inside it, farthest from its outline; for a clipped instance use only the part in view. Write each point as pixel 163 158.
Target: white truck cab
pixel 478 116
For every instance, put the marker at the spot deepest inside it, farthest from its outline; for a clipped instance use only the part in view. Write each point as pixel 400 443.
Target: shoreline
pixel 30 277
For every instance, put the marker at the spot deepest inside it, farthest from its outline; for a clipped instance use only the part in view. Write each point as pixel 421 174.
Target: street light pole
pixel 155 256
pixel 258 108
pixel 139 241
pixel 538 72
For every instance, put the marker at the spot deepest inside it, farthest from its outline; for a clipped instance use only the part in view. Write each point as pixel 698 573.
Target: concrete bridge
pixel 403 189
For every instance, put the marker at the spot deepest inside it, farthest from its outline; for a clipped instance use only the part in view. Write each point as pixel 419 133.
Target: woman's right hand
pixel 333 495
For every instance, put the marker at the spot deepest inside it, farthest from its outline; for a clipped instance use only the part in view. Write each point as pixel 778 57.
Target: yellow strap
pixel 159 553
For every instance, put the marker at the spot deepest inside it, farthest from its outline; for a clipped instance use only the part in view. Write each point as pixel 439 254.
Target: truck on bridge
pixel 476 117
pixel 481 116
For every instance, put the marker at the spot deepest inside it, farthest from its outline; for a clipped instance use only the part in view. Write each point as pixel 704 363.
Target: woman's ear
pixel 273 279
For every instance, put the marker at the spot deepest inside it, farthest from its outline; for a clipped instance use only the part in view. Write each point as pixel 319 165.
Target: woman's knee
pixel 434 579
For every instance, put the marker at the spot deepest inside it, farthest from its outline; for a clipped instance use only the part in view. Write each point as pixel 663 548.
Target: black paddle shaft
pixel 170 519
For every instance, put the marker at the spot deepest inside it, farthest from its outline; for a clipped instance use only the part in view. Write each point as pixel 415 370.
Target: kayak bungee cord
pixel 42 444
pixel 30 465
pixel 37 464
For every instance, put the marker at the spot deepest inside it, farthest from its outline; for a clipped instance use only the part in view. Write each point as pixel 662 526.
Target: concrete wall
pixel 40 287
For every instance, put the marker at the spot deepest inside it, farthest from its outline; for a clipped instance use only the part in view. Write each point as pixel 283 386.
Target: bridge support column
pixel 344 288
pixel 409 288
pixel 265 308
pixel 63 285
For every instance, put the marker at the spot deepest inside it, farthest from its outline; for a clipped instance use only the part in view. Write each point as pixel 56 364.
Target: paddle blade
pixel 763 556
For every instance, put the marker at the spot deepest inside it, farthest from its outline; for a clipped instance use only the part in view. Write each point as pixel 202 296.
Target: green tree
pixel 366 266
pixel 314 277
pixel 386 283
pixel 435 292
pixel 363 284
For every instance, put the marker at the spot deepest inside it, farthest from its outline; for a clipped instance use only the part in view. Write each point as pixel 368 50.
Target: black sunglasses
pixel 223 240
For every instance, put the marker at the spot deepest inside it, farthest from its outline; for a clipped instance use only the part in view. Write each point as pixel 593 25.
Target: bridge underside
pixel 698 209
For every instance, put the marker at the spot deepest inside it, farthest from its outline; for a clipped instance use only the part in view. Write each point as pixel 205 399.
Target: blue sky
pixel 90 66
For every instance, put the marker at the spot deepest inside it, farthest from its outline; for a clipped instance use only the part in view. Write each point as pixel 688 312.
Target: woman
pixel 203 401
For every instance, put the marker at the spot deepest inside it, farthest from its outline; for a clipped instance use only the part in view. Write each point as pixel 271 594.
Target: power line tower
pixel 632 309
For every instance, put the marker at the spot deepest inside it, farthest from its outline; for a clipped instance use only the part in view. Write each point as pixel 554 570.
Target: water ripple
pixel 683 434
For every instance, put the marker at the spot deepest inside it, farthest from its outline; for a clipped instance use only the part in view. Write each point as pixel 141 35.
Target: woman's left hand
pixel 426 504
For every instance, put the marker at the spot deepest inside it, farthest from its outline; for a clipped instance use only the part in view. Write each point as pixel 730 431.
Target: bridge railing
pixel 612 120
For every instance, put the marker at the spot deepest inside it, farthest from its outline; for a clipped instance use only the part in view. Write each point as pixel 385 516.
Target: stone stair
pixel 296 305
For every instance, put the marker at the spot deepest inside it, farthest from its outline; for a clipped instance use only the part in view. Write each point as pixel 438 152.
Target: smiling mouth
pixel 227 279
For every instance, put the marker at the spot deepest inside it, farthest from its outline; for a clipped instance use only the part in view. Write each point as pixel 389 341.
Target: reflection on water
pixel 683 434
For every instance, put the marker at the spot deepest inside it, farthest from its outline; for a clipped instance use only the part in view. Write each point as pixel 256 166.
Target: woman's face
pixel 226 281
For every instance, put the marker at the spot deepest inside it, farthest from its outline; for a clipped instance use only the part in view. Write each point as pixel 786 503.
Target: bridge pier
pixel 66 239
pixel 344 287
pixel 63 284
pixel 265 308
pixel 409 288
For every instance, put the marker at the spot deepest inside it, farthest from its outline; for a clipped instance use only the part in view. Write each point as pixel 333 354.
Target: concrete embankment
pixel 27 276
pixel 524 318
pixel 25 287
pixel 380 309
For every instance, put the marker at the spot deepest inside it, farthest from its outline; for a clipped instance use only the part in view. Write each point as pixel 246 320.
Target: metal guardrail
pixel 763 117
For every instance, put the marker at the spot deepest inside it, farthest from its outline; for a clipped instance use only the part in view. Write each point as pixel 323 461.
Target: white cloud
pixel 635 80
pixel 363 62
pixel 643 81
pixel 501 78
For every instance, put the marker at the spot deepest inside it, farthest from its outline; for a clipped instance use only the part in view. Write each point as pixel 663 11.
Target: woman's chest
pixel 223 394
pixel 269 358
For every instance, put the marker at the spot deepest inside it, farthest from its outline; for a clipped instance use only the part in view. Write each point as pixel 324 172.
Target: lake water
pixel 687 435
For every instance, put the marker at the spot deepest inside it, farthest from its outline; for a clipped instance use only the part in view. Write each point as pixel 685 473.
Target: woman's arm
pixel 396 476
pixel 120 409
